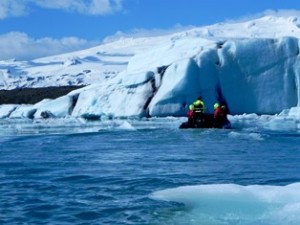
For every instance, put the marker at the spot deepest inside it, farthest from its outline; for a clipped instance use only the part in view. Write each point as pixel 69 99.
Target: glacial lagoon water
pixel 147 172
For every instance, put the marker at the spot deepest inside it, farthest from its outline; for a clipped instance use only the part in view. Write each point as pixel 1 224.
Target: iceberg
pixel 257 74
pixel 236 204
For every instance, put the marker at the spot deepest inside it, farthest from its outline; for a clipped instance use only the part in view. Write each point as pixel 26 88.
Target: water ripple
pixel 106 177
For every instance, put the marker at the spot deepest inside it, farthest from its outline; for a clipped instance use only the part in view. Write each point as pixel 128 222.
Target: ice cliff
pixel 250 74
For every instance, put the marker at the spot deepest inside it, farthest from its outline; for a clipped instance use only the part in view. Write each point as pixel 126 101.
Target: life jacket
pixel 220 114
pixel 190 114
pixel 198 106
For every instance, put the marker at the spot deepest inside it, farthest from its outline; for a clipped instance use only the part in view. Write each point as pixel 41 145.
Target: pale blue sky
pixel 51 23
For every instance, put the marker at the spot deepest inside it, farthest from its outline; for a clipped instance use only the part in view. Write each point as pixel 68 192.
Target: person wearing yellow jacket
pixel 199 105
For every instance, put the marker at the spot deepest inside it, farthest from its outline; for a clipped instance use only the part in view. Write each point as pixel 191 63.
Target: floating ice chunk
pixel 126 126
pixel 249 136
pixel 235 204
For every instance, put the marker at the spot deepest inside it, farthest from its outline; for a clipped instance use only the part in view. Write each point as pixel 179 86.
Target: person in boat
pixel 190 115
pixel 197 118
pixel 199 105
pixel 198 112
pixel 220 116
pixel 195 113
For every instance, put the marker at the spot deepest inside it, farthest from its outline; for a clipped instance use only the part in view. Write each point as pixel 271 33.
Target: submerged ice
pixel 236 204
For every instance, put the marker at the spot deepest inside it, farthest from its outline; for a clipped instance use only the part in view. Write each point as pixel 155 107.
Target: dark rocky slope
pixel 33 95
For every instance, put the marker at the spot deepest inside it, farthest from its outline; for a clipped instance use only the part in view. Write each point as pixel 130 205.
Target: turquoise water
pixel 154 174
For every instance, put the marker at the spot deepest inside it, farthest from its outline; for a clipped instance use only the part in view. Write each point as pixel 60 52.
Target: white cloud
pixel 11 8
pixel 91 7
pixel 22 47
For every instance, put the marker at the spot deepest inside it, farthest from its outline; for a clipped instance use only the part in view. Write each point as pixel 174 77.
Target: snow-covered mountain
pixel 253 66
pixel 99 63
